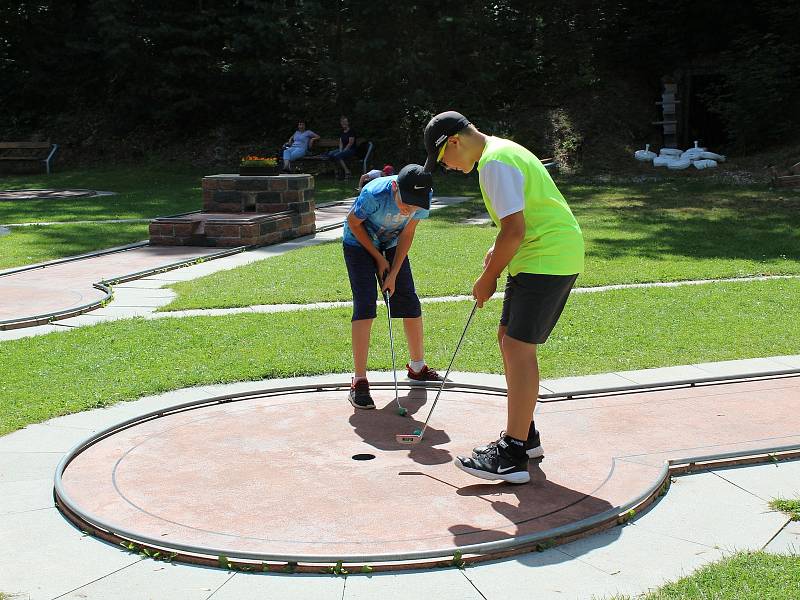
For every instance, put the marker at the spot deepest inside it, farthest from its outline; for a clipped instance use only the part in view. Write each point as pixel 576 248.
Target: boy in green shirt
pixel 541 244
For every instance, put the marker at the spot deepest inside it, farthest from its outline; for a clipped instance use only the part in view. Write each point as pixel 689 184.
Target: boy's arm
pixel 512 232
pixel 360 233
pixel 404 242
pixel 504 187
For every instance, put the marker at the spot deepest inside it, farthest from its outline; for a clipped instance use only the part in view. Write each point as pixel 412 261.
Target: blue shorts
pixel 293 153
pixel 362 272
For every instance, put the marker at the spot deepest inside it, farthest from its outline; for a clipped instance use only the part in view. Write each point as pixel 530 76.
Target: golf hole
pixel 363 456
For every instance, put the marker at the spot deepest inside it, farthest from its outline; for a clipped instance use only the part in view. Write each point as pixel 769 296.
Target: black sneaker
pixel 359 395
pixel 496 463
pixel 533 445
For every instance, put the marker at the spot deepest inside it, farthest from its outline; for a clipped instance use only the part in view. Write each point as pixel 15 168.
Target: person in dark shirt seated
pixel 347 148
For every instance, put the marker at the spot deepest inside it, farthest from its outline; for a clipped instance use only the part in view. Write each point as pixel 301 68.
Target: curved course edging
pixel 104 286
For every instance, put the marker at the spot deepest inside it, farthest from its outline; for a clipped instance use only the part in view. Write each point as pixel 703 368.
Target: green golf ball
pixel 402 412
pixel 418 432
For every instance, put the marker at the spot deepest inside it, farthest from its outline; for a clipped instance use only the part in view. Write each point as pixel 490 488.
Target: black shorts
pixel 362 273
pixel 533 304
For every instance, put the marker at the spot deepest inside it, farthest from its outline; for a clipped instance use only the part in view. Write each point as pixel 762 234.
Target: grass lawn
pixel 28 245
pixel 143 192
pixel 42 377
pixel 743 576
pixel 667 230
pixel 790 507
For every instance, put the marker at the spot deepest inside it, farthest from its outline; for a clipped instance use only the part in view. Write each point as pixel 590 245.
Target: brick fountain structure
pixel 242 210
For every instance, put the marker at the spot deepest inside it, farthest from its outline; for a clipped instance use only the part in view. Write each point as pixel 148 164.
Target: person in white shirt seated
pixel 374 174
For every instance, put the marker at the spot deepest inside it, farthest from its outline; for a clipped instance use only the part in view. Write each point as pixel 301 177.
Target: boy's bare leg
pixel 501 333
pixel 413 329
pixel 522 380
pixel 360 335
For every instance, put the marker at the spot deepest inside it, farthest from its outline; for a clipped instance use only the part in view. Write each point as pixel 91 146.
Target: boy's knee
pixel 364 311
pixel 517 348
pixel 405 304
pixel 501 333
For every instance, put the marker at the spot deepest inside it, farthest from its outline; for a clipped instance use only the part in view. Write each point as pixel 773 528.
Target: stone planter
pixel 250 210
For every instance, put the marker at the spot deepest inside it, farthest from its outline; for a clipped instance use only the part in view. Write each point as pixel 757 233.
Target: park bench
pixel 549 163
pixel 44 152
pixel 317 162
pixel 785 177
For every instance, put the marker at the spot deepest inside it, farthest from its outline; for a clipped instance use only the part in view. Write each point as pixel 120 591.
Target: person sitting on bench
pixel 298 145
pixel 347 148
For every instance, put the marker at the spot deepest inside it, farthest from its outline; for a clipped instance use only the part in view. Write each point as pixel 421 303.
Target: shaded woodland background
pixel 202 80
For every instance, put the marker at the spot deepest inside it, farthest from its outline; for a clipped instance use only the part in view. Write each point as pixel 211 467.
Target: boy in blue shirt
pixel 377 237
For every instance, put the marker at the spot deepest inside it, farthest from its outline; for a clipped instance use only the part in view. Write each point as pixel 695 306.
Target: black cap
pixel 438 129
pixel 416 186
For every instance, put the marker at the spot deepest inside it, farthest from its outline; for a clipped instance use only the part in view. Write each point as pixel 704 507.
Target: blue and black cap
pixel 415 185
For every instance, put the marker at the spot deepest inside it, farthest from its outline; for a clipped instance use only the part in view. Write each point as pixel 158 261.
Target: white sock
pixel 416 365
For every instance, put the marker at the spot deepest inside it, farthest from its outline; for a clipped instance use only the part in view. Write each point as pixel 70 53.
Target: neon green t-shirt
pixel 512 179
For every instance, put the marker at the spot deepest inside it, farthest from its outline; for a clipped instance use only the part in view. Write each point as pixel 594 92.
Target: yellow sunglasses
pixel 441 152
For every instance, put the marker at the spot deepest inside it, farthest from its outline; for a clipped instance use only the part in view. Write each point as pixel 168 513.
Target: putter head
pixel 408 438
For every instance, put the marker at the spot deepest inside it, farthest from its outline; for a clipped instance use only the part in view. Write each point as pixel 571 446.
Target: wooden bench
pixel 785 177
pixel 549 163
pixel 318 161
pixel 28 152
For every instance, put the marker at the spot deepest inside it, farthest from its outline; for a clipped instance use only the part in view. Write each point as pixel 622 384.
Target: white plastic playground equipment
pixel 645 155
pixel 675 159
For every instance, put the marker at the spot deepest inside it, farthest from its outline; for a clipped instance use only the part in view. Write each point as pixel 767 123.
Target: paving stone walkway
pixel 49 194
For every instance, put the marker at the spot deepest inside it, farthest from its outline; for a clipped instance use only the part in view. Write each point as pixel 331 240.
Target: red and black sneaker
pixel 359 395
pixel 424 374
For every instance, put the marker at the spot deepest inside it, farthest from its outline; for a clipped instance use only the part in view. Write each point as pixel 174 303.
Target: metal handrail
pixel 50 156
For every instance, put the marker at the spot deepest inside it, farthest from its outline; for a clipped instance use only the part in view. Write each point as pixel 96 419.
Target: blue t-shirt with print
pixel 382 219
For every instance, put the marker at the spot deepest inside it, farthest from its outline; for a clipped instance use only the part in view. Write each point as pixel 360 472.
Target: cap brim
pixel 430 163
pixel 420 200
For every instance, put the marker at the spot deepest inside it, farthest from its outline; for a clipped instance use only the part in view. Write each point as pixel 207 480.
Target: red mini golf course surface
pixel 270 476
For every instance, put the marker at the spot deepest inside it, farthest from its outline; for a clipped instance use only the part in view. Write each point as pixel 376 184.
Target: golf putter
pixel 400 410
pixel 416 437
